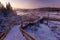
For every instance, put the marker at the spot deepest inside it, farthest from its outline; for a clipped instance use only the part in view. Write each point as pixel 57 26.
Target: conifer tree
pixel 8 7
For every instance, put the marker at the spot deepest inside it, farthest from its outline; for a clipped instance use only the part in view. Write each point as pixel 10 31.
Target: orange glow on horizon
pixel 31 4
pixel 15 5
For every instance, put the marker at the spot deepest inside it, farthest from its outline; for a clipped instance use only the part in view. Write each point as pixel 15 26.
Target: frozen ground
pixel 15 34
pixel 45 32
pixel 39 31
pixel 55 28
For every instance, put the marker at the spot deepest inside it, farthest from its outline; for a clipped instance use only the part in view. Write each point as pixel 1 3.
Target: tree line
pixel 5 10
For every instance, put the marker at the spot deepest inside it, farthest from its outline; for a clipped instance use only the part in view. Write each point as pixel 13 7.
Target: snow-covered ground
pixel 45 32
pixel 39 31
pixel 35 15
pixel 55 28
pixel 15 34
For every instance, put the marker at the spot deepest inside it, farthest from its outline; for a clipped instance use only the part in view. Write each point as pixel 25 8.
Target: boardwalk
pixel 15 34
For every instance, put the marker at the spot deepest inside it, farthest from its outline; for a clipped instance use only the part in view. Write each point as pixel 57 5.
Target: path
pixel 15 34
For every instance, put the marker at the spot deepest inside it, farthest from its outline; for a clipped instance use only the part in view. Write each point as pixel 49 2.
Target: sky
pixel 29 4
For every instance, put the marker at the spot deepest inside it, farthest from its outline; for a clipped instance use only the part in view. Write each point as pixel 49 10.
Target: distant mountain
pixel 53 9
pixel 48 9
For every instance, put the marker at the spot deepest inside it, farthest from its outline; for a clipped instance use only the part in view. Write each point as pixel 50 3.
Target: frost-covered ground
pixel 41 31
pixel 45 32
pixel 55 28
pixel 5 23
pixel 15 34
pixel 35 15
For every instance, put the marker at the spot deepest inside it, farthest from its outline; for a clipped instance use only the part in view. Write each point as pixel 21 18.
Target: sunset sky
pixel 29 4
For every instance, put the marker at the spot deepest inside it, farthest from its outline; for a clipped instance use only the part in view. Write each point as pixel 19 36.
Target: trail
pixel 15 34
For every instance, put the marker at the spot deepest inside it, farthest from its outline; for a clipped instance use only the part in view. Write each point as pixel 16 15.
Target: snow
pixel 55 26
pixel 41 33
pixel 45 32
pixel 15 34
pixel 21 13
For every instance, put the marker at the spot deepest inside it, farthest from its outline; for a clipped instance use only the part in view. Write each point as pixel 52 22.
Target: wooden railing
pixel 27 36
pixel 3 34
